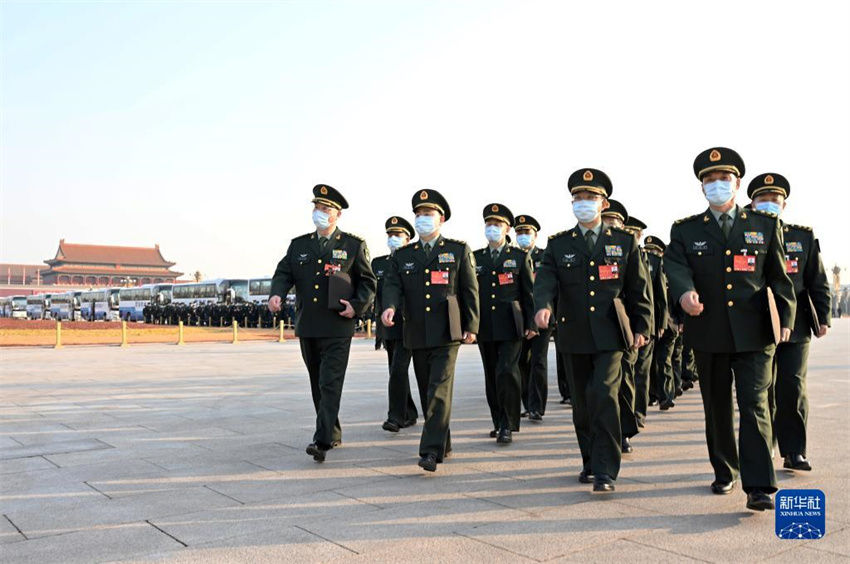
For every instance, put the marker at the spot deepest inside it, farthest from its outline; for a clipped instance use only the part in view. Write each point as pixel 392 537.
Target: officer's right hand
pixel 690 303
pixel 541 318
pixel 274 304
pixel 387 317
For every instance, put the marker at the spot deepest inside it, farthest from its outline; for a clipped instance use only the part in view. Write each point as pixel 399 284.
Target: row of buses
pixel 128 304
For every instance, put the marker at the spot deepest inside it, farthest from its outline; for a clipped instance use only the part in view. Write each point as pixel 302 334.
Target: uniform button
pixel 428 308
pixel 493 284
pixel 315 300
pixel 592 278
pixel 728 286
pixel 493 307
pixel 563 319
pixel 592 308
pixel 699 253
pixel 493 273
pixel 427 283
pixel 316 286
pixel 492 295
pixel 427 271
pixel 592 293
pixel 592 263
pixel 728 252
pixel 427 296
pixel 318 273
pixel 319 261
pixel 730 303
pixel 728 269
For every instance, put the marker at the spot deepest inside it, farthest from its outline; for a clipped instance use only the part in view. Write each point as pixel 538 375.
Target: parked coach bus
pixel 100 305
pixel 66 306
pixel 219 291
pixel 38 306
pixel 132 301
pixel 18 309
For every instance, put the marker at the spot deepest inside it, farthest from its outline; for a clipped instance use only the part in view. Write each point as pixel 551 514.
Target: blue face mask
pixel 425 224
pixel 769 207
pixel 321 220
pixel 493 233
pixel 524 240
pixel 719 192
pixel 395 242
pixel 586 210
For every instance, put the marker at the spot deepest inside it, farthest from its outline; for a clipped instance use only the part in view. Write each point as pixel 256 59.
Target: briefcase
pixel 774 316
pixel 519 322
pixel 339 288
pixel 455 330
pixel 625 324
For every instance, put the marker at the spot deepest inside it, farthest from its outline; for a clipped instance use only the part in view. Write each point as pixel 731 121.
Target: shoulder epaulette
pixel 684 219
pixel 764 213
pixel 382 257
pixel 800 227
pixel 619 230
pixel 305 236
pixel 353 236
pixel 558 234
pixel 456 241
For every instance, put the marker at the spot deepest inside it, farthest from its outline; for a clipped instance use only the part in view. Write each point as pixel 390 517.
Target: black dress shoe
pixel 335 444
pixel 641 423
pixel 757 500
pixel 566 401
pixel 428 462
pixel 390 426
pixel 653 401
pixel 524 414
pixel 409 423
pixel 797 462
pixel 687 385
pixel 504 437
pixel 494 433
pixel 534 416
pixel 585 477
pixel 666 404
pixel 722 488
pixel 603 483
pixel 626 446
pixel 679 392
pixel 317 452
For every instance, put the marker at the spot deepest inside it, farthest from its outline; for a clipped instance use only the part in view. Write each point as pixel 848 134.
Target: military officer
pixel 658 293
pixel 720 264
pixel 402 409
pixel 534 357
pixel 661 375
pixel 325 329
pixel 769 193
pixel 617 216
pixel 435 279
pixel 589 268
pixel 505 296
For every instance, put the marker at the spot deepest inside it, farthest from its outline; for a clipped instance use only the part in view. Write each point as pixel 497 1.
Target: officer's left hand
pixel 348 311
pixel 822 331
pixel 785 335
pixel 529 334
pixel 640 341
pixel 468 338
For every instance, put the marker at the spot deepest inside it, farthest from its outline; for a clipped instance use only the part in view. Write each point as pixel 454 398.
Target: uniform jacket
pixel 308 269
pixel 736 316
pixel 427 285
pixel 501 283
pixel 585 283
pixel 380 266
pixel 804 266
pixel 659 290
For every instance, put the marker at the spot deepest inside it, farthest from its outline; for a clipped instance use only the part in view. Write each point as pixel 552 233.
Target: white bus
pixel 259 289
pixel 218 291
pixel 66 306
pixel 5 307
pixel 132 301
pixel 38 306
pixel 18 307
pixel 98 305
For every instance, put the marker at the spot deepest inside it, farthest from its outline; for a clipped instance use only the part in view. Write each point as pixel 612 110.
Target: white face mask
pixel 586 210
pixel 425 225
pixel 524 241
pixel 321 220
pixel 719 192
pixel 493 233
pixel 395 242
pixel 769 207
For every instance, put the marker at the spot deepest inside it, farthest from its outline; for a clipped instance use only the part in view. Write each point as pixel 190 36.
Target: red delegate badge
pixel 439 277
pixel 331 268
pixel 791 266
pixel 609 271
pixel 745 263
pixel 506 278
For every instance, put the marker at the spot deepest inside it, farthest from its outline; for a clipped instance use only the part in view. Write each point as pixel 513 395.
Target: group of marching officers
pixel 732 299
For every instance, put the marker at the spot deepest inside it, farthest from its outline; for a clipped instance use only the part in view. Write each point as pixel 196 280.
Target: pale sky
pixel 204 126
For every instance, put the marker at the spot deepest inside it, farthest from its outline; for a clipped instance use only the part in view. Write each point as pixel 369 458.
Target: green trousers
pixel 790 405
pixel 435 375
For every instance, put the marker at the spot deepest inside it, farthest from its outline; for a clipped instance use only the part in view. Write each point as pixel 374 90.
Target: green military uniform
pixel 661 319
pixel 324 335
pixel 585 282
pixel 662 387
pixel 731 273
pixel 789 401
pixel 440 294
pixel 505 286
pixel 402 409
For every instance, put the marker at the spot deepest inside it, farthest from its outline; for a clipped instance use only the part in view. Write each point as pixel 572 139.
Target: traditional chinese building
pixel 101 265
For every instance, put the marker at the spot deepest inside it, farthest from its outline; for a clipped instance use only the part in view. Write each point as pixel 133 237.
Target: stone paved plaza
pixel 196 453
